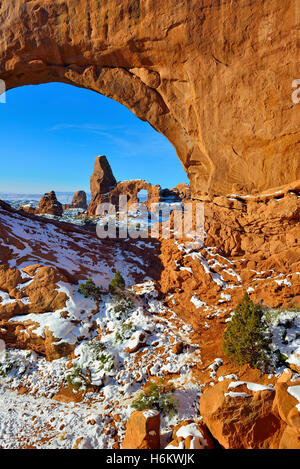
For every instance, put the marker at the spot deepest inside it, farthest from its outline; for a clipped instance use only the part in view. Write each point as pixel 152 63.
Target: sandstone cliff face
pixel 213 77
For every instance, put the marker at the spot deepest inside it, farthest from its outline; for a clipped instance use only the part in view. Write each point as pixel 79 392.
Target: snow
pixel 224 297
pixel 237 394
pixel 197 302
pixel 149 414
pixel 35 242
pixel 295 392
pixel 2 348
pixel 283 282
pixel 214 367
pixel 285 332
pixel 251 386
pixel 62 328
pixel 119 375
pixel 231 376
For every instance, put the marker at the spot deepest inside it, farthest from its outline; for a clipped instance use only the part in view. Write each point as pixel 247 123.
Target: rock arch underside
pixel 215 79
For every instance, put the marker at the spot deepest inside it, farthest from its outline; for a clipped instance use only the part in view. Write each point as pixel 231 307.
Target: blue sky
pixel 51 135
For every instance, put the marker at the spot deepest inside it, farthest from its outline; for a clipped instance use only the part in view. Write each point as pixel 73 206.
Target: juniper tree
pixel 245 339
pixel 90 290
pixel 117 283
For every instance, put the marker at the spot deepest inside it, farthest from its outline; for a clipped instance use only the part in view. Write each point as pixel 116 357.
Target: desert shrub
pixel 122 304
pixel 13 364
pixel 124 332
pixel 6 366
pixel 90 290
pixel 88 221
pixel 245 340
pixel 122 307
pixel 78 377
pixel 97 359
pixel 105 360
pixel 117 284
pixel 96 348
pixel 156 397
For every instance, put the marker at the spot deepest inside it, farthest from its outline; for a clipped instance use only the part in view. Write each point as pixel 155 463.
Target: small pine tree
pixel 90 290
pixel 117 283
pixel 156 397
pixel 245 339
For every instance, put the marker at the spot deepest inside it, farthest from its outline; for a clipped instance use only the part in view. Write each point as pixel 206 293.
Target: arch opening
pixel 56 150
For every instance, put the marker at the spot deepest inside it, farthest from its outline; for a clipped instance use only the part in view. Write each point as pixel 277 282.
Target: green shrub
pixel 124 332
pixel 6 366
pixel 106 361
pixel 78 377
pixel 17 365
pixel 156 397
pixel 90 290
pixel 117 284
pixel 97 359
pixel 99 354
pixel 122 305
pixel 245 340
pixel 96 348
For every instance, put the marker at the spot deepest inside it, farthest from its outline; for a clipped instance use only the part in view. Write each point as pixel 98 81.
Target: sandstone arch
pixel 131 190
pixel 213 76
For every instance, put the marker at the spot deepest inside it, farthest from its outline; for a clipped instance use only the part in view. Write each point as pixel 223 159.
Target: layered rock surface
pixel 214 78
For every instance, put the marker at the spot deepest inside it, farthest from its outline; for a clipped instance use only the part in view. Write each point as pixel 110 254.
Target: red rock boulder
pixel 143 430
pixel 241 416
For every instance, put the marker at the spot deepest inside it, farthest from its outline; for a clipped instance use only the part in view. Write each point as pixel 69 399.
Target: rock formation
pixel 190 435
pixel 130 189
pixel 105 189
pixel 169 195
pixel 102 179
pixel 143 430
pixel 79 200
pixel 247 415
pixel 214 78
pixel 238 417
pixel 251 244
pixel 50 205
pixel 54 254
pixel 183 190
